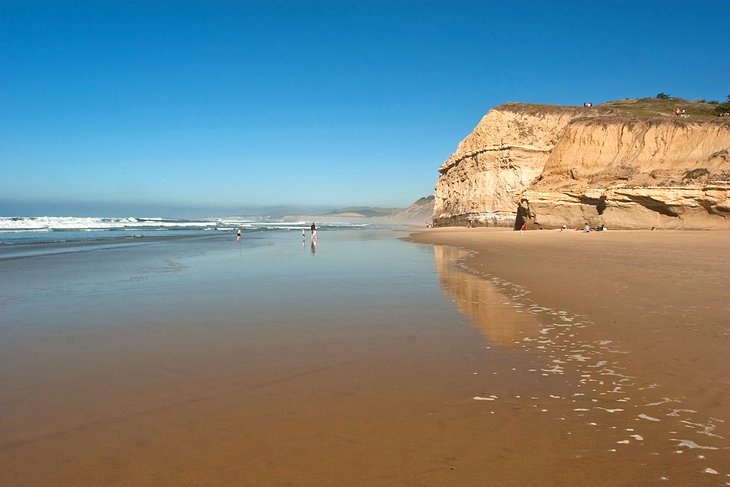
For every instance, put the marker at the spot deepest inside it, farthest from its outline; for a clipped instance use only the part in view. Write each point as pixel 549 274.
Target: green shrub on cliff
pixel 723 107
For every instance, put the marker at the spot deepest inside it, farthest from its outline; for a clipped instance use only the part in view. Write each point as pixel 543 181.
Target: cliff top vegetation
pixel 694 110
pixel 652 107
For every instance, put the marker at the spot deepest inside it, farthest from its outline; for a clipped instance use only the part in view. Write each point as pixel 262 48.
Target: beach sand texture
pixel 635 324
pixel 549 358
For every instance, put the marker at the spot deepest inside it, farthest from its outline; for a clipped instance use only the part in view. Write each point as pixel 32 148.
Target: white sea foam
pixel 663 401
pixel 692 445
pixel 578 357
pixel 555 369
pixel 609 410
pixel 22 229
pixel 600 363
pixel 703 429
pixel 56 223
pixel 648 418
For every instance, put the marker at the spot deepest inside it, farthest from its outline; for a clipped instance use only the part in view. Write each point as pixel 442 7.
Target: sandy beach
pixel 663 295
pixel 471 357
pixel 653 311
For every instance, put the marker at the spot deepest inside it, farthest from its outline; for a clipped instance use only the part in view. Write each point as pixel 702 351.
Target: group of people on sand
pixel 587 228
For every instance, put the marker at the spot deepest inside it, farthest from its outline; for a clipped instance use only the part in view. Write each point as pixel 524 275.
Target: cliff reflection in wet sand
pixel 481 301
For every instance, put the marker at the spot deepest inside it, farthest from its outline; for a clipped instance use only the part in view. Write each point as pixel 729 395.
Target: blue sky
pixel 150 107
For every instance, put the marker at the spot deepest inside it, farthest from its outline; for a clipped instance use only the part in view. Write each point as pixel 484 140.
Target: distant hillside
pixel 419 212
pixel 364 212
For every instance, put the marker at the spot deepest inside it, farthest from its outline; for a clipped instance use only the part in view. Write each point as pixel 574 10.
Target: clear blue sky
pixel 152 107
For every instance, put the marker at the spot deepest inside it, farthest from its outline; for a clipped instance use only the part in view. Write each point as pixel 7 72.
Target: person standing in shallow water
pixel 313 228
pixel 238 234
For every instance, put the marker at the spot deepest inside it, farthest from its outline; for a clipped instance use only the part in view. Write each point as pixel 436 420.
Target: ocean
pixel 47 229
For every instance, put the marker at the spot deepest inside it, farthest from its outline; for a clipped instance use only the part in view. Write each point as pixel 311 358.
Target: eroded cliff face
pixel 481 183
pixel 553 166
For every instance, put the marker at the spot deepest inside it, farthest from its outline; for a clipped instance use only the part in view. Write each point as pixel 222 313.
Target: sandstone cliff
pixel 548 166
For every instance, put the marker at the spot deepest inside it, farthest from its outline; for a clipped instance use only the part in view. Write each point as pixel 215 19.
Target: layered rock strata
pixel 548 166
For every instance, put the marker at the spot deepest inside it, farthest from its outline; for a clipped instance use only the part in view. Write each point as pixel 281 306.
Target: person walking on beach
pixel 314 230
pixel 238 234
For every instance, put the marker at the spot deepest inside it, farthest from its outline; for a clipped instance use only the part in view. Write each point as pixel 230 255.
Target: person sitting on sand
pixel 586 228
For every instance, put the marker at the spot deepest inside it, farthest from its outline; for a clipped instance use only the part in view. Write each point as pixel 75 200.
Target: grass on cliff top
pixel 653 107
pixel 643 108
pixel 539 108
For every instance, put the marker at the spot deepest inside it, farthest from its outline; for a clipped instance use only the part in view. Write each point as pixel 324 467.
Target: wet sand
pixel 545 359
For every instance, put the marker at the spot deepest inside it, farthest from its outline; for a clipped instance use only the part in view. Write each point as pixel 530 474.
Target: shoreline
pixel 662 295
pixel 633 322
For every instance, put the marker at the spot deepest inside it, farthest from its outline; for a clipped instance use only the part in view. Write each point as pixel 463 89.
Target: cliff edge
pixel 629 164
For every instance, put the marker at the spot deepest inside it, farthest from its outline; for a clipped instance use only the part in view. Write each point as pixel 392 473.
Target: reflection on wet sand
pixel 481 300
pixel 585 380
